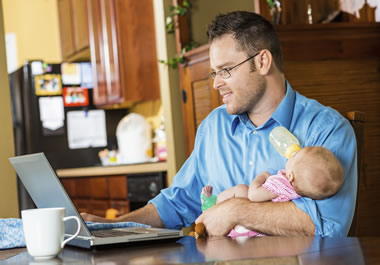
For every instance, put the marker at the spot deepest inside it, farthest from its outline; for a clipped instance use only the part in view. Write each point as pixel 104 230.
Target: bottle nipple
pixel 291 150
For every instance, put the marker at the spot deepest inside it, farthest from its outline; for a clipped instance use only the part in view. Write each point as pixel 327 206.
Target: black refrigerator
pixel 31 137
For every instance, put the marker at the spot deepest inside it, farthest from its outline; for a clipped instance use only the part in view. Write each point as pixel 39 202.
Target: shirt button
pixel 254 132
pixel 251 163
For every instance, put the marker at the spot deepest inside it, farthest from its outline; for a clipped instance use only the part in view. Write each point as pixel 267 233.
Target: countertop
pixel 112 170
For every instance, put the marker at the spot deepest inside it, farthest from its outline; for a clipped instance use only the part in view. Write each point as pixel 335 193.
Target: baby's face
pixel 293 161
pixel 299 166
pixel 295 164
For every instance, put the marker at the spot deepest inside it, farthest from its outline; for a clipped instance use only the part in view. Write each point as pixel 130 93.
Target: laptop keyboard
pixel 112 233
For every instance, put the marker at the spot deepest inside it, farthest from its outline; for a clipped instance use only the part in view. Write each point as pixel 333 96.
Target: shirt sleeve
pixel 333 216
pixel 179 205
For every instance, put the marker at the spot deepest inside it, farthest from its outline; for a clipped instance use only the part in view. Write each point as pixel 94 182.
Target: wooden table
pixel 221 250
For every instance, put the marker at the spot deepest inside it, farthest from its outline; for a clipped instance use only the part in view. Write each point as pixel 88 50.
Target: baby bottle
pixel 284 141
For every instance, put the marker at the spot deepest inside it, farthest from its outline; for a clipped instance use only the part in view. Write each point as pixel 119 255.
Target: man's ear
pixel 264 62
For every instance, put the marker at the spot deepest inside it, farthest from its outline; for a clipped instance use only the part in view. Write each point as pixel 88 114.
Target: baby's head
pixel 315 172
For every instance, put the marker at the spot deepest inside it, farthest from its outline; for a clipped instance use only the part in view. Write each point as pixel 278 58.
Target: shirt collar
pixel 283 113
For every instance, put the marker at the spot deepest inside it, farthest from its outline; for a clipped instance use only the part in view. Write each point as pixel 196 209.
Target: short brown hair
pixel 252 32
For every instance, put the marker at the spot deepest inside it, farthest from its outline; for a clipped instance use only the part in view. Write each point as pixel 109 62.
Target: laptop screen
pixel 43 185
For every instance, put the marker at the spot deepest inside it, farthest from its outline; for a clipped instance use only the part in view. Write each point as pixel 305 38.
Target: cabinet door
pixel 199 97
pixel 117 187
pixel 104 52
pixel 98 187
pixel 80 24
pixel 114 93
pixel 97 55
pixel 137 53
pixel 66 28
pixel 123 51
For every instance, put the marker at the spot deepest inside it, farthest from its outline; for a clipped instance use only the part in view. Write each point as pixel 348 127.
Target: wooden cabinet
pixel 124 188
pixel 96 195
pixel 199 97
pixel 123 51
pixel 74 31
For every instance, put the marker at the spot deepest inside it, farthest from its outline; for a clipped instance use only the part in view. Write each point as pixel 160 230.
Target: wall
pixel 170 91
pixel 35 24
pixel 202 12
pixel 8 183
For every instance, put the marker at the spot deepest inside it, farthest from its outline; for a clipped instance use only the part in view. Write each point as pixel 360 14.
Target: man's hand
pixel 93 218
pixel 221 218
pixel 145 215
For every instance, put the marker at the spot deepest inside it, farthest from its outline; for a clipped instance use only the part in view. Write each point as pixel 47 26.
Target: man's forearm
pixel 274 218
pixel 145 215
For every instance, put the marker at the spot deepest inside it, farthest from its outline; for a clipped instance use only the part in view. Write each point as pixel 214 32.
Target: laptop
pixel 45 189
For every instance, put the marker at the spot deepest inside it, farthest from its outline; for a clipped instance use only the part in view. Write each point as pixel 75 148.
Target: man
pixel 232 145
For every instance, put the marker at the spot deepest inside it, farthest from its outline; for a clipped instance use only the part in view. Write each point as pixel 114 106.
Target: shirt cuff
pixel 168 215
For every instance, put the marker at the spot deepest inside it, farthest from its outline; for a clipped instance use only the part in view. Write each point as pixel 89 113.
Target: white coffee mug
pixel 44 231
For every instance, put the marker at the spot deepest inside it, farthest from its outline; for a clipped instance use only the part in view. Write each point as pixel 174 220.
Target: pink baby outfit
pixel 280 185
pixel 277 184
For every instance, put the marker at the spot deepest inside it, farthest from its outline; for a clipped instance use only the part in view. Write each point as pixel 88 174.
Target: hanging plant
pixel 179 59
pixel 177 10
pixel 270 3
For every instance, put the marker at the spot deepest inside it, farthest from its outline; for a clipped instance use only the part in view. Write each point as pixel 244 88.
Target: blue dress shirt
pixel 230 150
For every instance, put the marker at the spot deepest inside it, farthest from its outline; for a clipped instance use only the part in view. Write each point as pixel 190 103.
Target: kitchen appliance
pixel 134 138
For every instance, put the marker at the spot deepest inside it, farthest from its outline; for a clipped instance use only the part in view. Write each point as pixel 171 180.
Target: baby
pixel 312 172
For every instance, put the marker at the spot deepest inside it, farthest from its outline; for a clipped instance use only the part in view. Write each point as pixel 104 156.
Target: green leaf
pixel 186 4
pixel 270 3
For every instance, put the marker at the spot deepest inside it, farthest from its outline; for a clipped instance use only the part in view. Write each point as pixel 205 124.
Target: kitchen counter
pixel 112 170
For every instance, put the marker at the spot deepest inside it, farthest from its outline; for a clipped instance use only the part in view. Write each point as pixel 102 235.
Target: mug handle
pixel 76 233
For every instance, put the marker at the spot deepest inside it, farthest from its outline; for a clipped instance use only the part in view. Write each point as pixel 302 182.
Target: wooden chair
pixel 357 119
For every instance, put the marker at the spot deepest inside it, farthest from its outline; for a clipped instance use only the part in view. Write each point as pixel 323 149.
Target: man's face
pixel 244 90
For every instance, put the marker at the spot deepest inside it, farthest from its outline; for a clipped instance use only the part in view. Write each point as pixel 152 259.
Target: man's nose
pixel 218 82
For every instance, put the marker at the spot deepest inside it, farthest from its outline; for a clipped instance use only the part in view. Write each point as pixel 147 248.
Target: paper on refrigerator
pixel 86 129
pixel 51 112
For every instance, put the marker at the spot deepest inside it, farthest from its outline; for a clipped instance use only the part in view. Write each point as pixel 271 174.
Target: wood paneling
pixel 202 100
pixel 349 85
pixel 314 11
pixel 336 64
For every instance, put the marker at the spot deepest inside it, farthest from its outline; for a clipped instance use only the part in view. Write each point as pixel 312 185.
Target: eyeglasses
pixel 225 72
